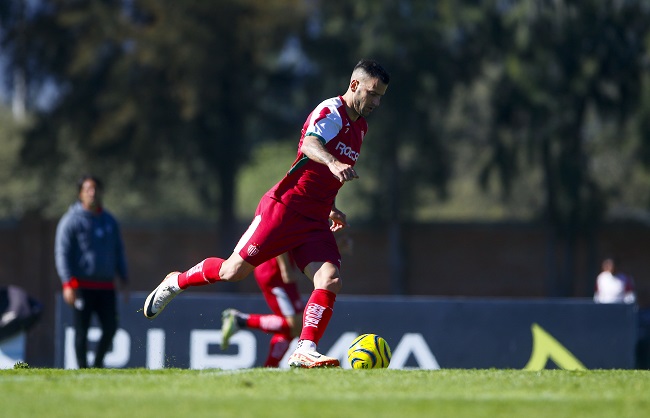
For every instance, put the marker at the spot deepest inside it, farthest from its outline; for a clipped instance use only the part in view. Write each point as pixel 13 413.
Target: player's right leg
pixel 233 269
pixel 162 295
pixel 208 271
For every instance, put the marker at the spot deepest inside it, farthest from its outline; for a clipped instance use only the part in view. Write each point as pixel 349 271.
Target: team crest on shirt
pixel 253 250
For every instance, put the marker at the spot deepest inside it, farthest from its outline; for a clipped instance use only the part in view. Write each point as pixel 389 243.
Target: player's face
pixel 367 95
pixel 89 195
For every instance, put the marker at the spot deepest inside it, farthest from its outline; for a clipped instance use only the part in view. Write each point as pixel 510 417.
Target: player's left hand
pixel 339 220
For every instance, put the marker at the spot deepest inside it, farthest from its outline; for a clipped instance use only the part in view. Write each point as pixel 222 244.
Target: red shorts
pixel 283 298
pixel 277 229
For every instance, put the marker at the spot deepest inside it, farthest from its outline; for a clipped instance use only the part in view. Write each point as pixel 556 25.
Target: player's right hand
pixel 343 172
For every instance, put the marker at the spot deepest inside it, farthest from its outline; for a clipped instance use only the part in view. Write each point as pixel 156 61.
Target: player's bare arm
pixel 314 149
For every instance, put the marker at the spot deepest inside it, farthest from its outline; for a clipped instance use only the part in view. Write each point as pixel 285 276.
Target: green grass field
pixel 324 393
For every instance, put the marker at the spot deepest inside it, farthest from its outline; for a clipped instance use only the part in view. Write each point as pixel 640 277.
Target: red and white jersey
pixel 310 188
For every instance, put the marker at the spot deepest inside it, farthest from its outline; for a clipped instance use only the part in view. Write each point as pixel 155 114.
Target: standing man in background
pixel 89 255
pixel 612 285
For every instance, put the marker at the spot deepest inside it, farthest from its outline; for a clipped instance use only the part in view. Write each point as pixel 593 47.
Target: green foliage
pixel 508 86
pixel 405 152
pixel 21 365
pixel 328 392
pixel 268 164
pixel 19 186
pixel 495 110
pixel 565 67
pixel 149 86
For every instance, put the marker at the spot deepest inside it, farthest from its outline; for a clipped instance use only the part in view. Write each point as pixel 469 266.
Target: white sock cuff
pixel 306 345
pixel 174 282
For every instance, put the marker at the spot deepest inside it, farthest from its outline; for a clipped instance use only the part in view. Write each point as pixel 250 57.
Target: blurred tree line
pixel 532 110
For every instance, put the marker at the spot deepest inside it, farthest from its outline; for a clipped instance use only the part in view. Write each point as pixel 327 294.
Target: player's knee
pixel 233 277
pixel 233 272
pixel 333 284
pixel 327 277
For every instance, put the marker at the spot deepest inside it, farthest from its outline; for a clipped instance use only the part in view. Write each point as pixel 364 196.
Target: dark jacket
pixel 88 249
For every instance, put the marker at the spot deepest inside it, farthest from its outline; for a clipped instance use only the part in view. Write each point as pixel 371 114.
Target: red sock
pixel 278 347
pixel 206 272
pixel 268 323
pixel 318 312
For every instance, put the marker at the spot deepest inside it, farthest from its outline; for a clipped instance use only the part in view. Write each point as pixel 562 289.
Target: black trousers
pixel 103 304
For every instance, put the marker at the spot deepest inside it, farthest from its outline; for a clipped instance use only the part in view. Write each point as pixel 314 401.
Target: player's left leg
pixel 316 317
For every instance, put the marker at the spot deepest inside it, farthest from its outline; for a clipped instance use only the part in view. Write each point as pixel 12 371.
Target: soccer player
pixel 293 215
pixel 277 279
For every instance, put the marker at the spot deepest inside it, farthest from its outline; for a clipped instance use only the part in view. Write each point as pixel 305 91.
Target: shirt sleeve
pixel 62 248
pixel 326 127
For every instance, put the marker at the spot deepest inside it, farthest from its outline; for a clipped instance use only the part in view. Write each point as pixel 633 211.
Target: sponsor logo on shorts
pixel 253 250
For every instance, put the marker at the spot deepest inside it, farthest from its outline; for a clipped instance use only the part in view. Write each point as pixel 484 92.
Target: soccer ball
pixel 369 351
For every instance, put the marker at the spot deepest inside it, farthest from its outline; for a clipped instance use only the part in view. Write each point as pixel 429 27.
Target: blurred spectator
pixel 89 255
pixel 612 285
pixel 18 311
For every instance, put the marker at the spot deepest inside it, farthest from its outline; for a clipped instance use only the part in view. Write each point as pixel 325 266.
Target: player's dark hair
pixel 83 178
pixel 373 69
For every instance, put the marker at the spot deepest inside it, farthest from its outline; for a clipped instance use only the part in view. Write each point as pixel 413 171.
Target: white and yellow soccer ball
pixel 369 351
